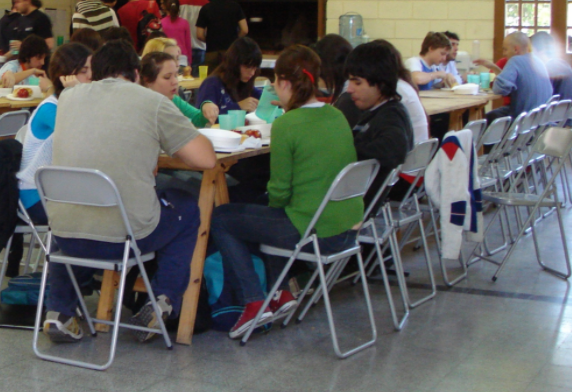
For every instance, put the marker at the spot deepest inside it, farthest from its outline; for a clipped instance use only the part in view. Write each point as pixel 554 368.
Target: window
pixel 528 16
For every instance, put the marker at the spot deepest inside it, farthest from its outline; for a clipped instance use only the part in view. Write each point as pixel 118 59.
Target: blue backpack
pixel 225 308
pixel 23 290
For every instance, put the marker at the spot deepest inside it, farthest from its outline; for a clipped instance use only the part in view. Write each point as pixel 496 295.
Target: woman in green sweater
pixel 311 143
pixel 159 72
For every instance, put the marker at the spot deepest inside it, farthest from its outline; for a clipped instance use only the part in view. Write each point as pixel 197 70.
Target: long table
pixel 7 105
pixel 439 101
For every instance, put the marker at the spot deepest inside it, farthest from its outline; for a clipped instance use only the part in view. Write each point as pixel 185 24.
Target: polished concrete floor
pixel 513 335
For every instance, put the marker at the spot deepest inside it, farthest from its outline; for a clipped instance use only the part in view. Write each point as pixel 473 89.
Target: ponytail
pixel 172 7
pixel 301 67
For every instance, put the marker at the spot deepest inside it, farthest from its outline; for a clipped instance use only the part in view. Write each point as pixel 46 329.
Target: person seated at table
pixel 450 64
pixel 333 50
pixel 117 33
pixel 383 131
pixel 159 73
pixel 559 70
pixel 89 37
pixel 160 44
pixel 425 67
pixel 311 143
pixel 165 222
pixel 524 78
pixel 30 61
pixel 231 85
pixel 70 64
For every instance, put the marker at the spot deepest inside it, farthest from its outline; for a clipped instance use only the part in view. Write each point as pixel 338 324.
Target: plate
pixel 228 149
pixel 14 98
pixel 446 89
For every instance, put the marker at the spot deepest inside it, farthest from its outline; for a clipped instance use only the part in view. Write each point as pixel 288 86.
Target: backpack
pixel 10 157
pixel 147 24
pixel 224 303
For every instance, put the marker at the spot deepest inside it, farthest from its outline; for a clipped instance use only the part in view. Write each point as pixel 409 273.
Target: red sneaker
pixel 282 302
pixel 247 317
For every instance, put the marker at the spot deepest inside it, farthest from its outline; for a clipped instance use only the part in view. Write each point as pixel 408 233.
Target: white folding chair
pixel 353 181
pixel 555 143
pixel 11 122
pixel 554 98
pixel 88 187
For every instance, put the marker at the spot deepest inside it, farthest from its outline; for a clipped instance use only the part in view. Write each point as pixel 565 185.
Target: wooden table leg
pixel 456 120
pixel 213 189
pixel 476 113
pixel 106 298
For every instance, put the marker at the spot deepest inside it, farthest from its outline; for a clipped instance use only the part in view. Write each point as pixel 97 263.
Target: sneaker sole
pixel 286 308
pixel 58 334
pixel 244 327
pixel 145 318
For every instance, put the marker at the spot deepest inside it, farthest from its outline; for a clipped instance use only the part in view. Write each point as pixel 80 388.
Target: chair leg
pixel 5 260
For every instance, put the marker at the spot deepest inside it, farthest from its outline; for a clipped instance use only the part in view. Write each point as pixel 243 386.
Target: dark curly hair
pixel 68 59
pixel 116 58
pixel 32 46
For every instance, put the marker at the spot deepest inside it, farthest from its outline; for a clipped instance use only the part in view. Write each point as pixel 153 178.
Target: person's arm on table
pixel 505 82
pixel 198 153
pixel 421 78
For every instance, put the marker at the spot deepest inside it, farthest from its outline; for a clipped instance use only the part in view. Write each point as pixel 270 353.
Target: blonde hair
pixel 158 45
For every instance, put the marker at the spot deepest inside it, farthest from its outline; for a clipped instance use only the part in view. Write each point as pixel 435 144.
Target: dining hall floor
pixel 514 335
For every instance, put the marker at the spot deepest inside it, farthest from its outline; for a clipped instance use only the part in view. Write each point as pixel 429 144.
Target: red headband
pixel 309 75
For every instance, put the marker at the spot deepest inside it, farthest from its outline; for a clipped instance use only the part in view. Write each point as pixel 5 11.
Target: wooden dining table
pixel 8 105
pixel 439 101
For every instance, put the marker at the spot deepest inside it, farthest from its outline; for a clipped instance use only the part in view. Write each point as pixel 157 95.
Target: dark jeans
pixel 238 229
pixel 38 216
pixel 497 113
pixel 173 240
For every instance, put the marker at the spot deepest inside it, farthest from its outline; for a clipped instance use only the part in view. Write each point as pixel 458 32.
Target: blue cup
pixel 485 80
pixel 474 79
pixel 238 116
pixel 226 121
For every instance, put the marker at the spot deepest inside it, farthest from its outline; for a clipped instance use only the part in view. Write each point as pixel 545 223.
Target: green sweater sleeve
pixel 281 168
pixel 191 112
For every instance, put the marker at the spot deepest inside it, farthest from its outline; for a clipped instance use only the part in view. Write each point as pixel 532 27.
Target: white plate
pixel 13 98
pixel 229 149
pixel 446 89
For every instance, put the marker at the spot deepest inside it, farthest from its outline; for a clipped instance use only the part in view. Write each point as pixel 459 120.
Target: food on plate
pixel 249 132
pixel 23 92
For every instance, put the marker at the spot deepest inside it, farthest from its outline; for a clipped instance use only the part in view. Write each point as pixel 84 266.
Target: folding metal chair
pixel 88 187
pixel 353 181
pixel 408 214
pixel 556 143
pixel 11 122
pixel 554 98
pixel 26 226
pixel 477 127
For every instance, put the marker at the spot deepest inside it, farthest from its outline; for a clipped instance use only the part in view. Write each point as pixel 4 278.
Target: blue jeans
pixel 173 240
pixel 198 59
pixel 238 229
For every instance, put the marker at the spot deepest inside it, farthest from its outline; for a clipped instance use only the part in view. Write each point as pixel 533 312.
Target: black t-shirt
pixel 7 25
pixel 36 22
pixel 220 18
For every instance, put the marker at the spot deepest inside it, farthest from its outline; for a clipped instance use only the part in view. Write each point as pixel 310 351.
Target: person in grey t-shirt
pixel 119 127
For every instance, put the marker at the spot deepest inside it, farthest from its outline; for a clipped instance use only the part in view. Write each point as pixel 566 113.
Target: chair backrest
pixel 383 191
pixel 11 122
pixel 419 157
pixel 353 181
pixel 554 98
pixel 495 132
pixel 477 127
pixel 85 187
pixel 555 142
pixel 559 113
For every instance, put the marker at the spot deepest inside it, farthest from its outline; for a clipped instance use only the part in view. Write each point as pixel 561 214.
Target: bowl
pixel 263 128
pixel 253 119
pixel 466 89
pixel 221 138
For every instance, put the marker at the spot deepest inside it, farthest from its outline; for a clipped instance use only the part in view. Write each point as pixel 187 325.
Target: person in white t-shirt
pixel 450 65
pixel 424 68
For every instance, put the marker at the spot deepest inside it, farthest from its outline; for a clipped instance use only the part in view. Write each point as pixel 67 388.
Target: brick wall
pixel 406 22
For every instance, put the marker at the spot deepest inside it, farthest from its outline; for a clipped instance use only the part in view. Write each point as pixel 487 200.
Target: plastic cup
pixel 203 71
pixel 474 79
pixel 33 81
pixel 226 121
pixel 485 80
pixel 265 109
pixel 14 51
pixel 238 117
